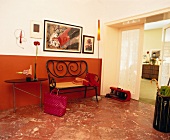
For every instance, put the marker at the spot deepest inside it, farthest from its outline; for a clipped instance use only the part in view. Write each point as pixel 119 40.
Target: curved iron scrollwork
pixel 65 68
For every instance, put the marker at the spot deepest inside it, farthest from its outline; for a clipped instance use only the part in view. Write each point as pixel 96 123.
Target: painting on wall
pixel 61 37
pixel 155 53
pixel 88 44
pixel 36 29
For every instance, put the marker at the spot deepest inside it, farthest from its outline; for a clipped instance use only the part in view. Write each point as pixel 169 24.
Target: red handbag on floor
pixel 55 104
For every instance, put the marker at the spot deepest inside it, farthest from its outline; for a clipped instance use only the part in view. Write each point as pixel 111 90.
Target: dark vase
pixel 28 78
pixel 35 72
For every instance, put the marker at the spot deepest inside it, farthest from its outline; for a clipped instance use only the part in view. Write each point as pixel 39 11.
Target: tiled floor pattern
pixel 84 120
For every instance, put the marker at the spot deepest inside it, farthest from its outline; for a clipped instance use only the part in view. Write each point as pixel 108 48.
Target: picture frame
pixel 36 29
pixel 88 44
pixel 62 37
pixel 155 53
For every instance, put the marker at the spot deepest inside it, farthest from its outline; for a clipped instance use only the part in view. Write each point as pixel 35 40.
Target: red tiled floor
pixel 84 120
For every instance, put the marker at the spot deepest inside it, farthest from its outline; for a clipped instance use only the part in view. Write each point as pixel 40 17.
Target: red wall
pixel 11 64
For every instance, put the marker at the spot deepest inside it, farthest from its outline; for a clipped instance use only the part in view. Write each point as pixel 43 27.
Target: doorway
pixel 110 76
pixel 152 43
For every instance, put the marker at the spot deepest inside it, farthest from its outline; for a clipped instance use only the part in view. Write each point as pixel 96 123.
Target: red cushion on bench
pixel 91 78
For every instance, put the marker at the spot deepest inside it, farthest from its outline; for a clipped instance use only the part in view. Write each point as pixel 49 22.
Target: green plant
pixel 153 61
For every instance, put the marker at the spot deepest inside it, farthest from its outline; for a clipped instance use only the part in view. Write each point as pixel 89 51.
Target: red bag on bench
pixel 55 104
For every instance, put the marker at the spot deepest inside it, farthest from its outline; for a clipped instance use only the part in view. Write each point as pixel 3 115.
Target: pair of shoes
pixel 108 95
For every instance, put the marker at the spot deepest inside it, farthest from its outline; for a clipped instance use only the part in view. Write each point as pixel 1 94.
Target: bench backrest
pixel 66 69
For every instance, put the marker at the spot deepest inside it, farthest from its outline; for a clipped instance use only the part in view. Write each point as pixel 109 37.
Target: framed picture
pixel 155 53
pixel 61 37
pixel 88 44
pixel 36 29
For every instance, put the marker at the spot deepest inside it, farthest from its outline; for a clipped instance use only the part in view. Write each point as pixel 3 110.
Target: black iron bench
pixel 62 73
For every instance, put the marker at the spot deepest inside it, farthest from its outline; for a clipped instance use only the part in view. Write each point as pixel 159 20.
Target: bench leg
pixel 96 93
pixel 85 92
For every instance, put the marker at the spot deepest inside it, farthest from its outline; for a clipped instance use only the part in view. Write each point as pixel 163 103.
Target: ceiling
pixel 151 21
pixel 155 25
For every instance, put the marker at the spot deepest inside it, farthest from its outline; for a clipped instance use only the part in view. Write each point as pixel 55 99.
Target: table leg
pixel 40 94
pixel 14 99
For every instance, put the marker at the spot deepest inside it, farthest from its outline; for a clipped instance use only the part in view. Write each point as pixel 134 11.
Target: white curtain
pixel 129 59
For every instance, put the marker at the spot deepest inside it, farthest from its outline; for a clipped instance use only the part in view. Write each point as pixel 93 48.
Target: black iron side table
pixel 21 81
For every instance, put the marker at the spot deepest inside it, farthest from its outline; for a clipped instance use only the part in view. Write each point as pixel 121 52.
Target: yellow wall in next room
pixel 152 40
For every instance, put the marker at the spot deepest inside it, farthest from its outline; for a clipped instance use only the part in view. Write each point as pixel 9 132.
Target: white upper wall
pixel 17 14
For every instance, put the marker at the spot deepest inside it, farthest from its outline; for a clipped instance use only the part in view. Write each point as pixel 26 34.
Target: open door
pixel 164 72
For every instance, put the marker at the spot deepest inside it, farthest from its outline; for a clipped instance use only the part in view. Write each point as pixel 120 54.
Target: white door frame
pixel 162 74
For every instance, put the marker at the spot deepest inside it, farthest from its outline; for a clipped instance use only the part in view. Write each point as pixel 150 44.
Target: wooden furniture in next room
pixel 150 71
